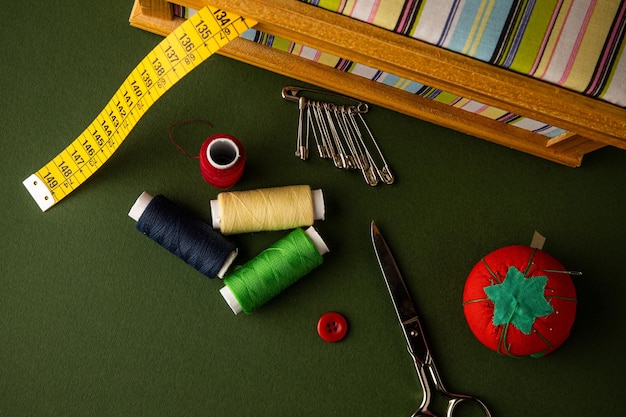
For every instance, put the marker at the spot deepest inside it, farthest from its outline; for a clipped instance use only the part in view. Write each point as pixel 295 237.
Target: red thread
pixel 228 158
pixel 223 163
pixel 180 122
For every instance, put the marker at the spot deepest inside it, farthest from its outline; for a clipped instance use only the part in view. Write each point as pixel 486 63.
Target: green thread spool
pixel 273 270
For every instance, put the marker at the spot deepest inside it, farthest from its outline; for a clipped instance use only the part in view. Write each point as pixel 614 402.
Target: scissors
pixel 415 339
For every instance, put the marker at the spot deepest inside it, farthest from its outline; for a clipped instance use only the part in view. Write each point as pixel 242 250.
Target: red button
pixel 332 327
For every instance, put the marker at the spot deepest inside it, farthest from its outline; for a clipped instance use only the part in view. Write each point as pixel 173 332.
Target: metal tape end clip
pixel 39 191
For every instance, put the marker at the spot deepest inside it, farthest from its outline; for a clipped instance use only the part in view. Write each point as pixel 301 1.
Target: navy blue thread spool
pixel 183 234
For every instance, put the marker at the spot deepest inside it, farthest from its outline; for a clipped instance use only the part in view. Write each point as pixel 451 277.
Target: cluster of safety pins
pixel 340 133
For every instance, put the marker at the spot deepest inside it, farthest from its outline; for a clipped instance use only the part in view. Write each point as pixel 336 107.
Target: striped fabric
pixel 576 44
pixel 402 83
pixel 391 80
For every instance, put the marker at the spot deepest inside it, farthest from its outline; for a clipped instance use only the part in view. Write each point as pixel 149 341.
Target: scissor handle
pixel 430 379
pixel 452 404
pixel 458 399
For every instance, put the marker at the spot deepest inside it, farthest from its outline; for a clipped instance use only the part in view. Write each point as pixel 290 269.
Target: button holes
pixel 332 327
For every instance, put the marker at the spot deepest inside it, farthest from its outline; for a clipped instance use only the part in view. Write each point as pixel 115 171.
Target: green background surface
pixel 97 320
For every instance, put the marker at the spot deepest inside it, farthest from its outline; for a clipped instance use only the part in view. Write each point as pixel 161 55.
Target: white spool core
pixel 222 153
pixel 227 263
pixel 140 206
pixel 317 240
pixel 319 210
pixel 230 299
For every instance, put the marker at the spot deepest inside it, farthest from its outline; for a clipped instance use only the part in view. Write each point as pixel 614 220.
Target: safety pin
pixel 340 137
pixel 302 149
pixel 323 142
pixel 345 154
pixel 290 93
pixel 328 148
pixel 345 160
pixel 361 156
pixel 384 173
pixel 322 149
pixel 353 158
pixel 333 148
pixel 369 170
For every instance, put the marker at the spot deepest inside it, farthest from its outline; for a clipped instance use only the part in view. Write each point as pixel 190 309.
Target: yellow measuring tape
pixel 179 53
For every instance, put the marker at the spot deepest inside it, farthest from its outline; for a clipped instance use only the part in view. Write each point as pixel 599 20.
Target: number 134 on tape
pixel 175 56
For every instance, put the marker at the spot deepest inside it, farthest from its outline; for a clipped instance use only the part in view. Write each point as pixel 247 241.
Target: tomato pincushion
pixel 515 305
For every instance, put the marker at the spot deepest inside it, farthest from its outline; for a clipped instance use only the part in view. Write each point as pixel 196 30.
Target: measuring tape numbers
pixel 180 52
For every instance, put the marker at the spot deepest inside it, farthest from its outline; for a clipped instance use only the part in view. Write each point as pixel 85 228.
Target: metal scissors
pixel 415 339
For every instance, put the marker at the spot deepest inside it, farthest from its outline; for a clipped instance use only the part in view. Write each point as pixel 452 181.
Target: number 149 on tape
pixel 173 58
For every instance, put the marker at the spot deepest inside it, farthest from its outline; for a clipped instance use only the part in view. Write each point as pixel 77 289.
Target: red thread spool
pixel 222 160
pixel 497 287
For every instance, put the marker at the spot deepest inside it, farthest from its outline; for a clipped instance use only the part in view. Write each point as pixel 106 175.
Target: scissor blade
pixel 405 309
pixel 395 284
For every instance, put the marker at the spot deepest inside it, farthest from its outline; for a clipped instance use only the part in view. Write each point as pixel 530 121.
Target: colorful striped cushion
pixel 527 36
pixel 402 83
pixel 577 44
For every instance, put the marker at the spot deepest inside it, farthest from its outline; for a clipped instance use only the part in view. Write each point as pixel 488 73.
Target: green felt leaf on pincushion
pixel 519 300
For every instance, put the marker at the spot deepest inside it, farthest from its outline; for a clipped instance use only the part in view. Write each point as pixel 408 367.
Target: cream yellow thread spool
pixel 278 208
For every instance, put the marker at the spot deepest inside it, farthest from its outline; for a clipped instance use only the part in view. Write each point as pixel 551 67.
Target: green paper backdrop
pixel 96 319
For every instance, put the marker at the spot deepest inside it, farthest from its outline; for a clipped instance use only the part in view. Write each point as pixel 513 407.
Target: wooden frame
pixel 591 123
